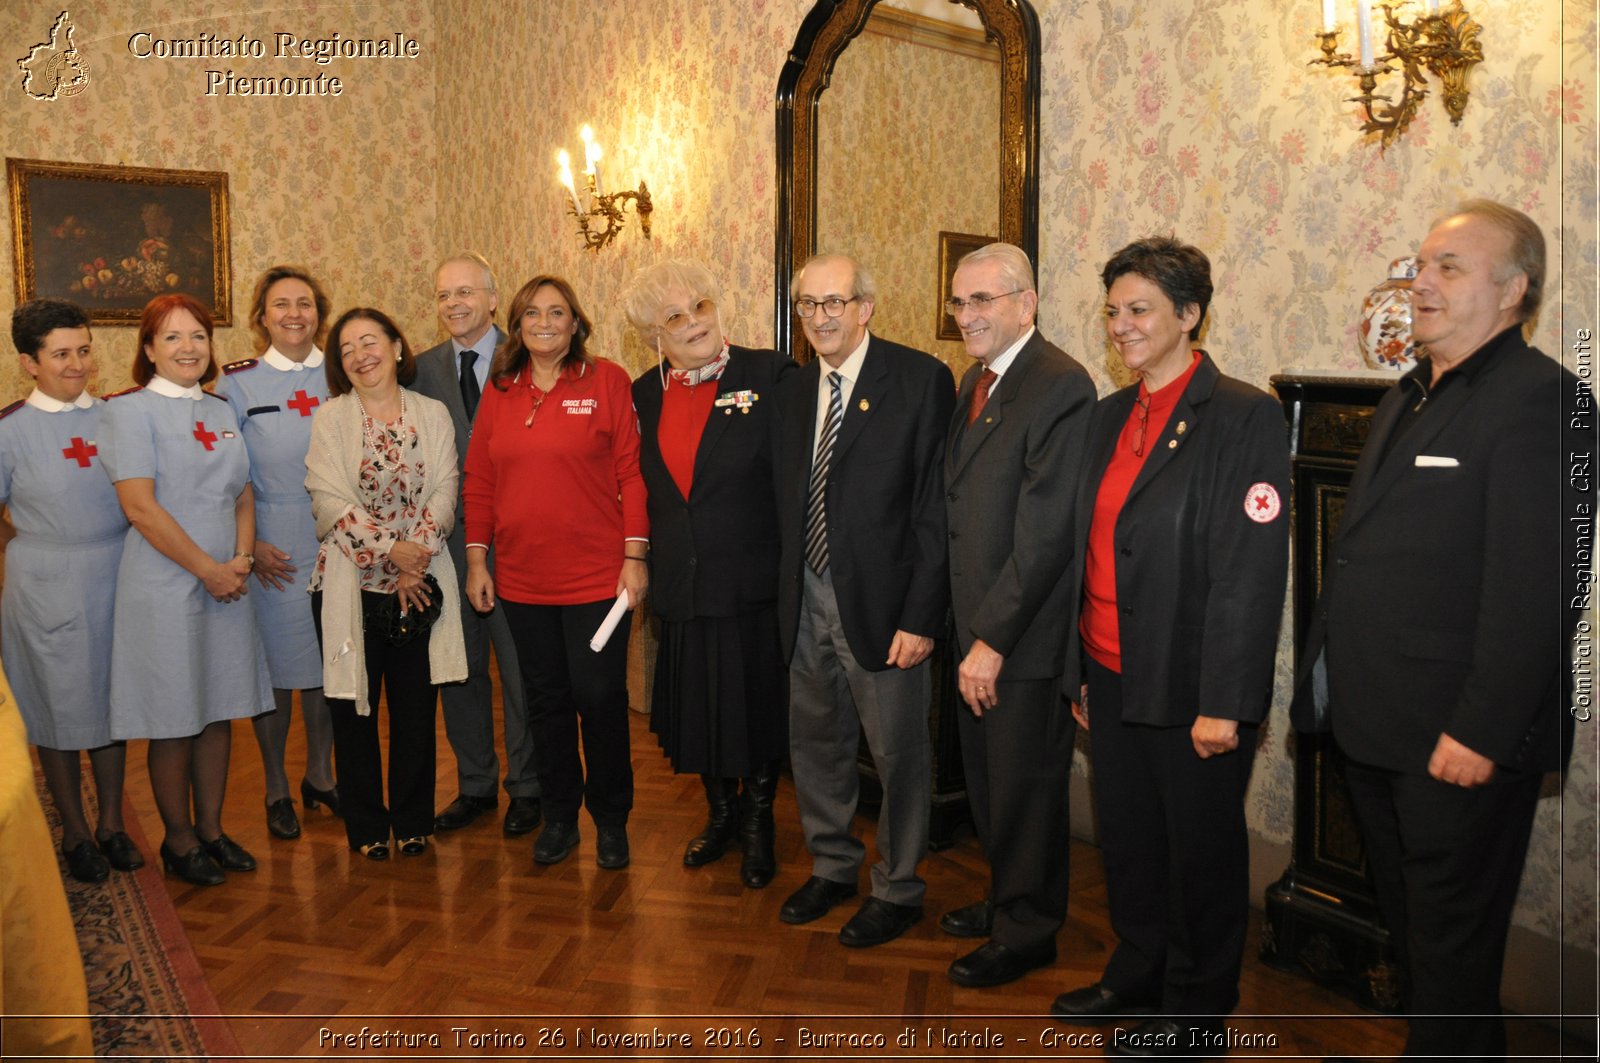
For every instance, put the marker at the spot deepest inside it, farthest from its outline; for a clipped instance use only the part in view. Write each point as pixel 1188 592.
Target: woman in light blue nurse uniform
pixel 55 616
pixel 273 397
pixel 186 659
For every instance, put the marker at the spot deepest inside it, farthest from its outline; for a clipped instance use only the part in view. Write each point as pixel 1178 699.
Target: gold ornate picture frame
pixel 111 238
pixel 951 247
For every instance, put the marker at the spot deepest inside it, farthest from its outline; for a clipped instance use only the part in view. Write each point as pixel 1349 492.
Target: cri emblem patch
pixel 1261 503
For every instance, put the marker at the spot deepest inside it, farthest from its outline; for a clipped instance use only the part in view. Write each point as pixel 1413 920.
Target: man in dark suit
pixel 1438 650
pixel 862 592
pixel 1012 462
pixel 455 373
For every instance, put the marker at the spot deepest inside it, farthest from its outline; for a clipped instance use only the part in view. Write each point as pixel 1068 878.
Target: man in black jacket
pixel 1439 648
pixel 862 592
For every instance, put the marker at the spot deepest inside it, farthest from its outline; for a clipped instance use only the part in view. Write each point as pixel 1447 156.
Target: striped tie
pixel 817 507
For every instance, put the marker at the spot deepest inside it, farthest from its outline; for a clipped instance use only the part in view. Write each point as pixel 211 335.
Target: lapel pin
pixel 864 405
pixel 1172 444
pixel 1183 426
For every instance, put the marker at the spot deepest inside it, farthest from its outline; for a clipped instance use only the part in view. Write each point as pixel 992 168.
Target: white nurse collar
pixel 162 386
pixel 278 360
pixel 40 401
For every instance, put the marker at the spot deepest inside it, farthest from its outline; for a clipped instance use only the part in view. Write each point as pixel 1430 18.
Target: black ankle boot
pixel 721 826
pixel 756 828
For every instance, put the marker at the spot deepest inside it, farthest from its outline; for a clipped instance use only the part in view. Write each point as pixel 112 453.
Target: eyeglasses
pixel 978 302
pixel 679 321
pixel 459 293
pixel 833 305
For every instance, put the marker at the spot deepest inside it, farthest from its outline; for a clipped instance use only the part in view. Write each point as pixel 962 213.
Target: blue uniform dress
pixel 180 659
pixel 274 398
pixel 61 570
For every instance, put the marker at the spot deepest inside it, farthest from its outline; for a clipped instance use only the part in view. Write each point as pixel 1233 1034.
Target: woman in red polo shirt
pixel 552 481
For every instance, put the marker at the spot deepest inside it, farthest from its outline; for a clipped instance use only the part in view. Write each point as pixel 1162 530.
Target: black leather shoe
pixel 464 810
pixel 195 866
pixel 311 797
pixel 1164 1038
pixel 86 863
pixel 877 922
pixel 121 852
pixel 815 899
pixel 522 816
pixel 995 964
pixel 1095 1004
pixel 610 847
pixel 974 920
pixel 281 820
pixel 555 842
pixel 229 854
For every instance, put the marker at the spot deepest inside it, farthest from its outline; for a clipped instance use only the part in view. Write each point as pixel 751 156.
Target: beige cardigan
pixel 333 467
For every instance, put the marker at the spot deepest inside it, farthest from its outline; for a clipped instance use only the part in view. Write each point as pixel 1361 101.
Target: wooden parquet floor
pixel 321 943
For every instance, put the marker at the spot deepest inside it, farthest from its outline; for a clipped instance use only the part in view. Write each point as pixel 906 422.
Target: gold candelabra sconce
pixel 1442 42
pixel 608 211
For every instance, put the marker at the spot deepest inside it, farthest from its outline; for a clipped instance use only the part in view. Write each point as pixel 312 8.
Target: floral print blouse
pixel 393 508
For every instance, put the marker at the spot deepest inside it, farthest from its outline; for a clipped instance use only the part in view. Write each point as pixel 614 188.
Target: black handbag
pixel 400 628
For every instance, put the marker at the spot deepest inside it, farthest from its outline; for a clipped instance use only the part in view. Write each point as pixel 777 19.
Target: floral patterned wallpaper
pixel 344 185
pixel 892 100
pixel 1200 118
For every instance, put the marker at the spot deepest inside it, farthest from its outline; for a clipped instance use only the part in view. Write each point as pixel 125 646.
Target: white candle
pixel 1433 7
pixel 594 166
pixel 1364 23
pixel 1330 19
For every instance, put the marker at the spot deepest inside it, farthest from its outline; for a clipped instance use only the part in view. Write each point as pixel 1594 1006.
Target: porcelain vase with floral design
pixel 1386 320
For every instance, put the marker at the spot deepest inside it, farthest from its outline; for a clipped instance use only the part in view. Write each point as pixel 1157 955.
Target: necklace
pixel 536 397
pixel 373 435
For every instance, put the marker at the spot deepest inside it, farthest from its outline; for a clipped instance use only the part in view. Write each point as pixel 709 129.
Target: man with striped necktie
pixel 862 592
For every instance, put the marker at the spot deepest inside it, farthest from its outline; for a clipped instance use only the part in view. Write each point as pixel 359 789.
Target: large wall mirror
pixel 900 121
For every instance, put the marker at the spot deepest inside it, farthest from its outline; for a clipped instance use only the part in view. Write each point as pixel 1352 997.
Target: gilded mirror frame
pixel 827 30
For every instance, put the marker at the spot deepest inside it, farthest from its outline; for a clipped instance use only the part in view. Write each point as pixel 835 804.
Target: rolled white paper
pixel 602 634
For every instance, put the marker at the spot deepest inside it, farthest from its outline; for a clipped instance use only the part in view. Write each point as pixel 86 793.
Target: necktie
pixel 817 507
pixel 469 384
pixel 980 394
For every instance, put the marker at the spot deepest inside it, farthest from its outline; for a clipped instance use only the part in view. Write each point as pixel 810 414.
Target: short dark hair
pixel 37 318
pixel 1182 272
pixel 513 353
pixel 258 302
pixel 156 312
pixel 1527 254
pixel 333 365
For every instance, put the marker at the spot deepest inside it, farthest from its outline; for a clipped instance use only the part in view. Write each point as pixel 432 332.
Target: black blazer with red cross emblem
pixel 1202 553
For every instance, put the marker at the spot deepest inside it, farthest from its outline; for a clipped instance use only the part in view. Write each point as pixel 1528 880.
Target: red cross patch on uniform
pixel 1261 503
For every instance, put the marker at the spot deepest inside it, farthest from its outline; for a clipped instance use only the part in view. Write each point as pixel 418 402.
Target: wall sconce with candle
pixel 1443 42
pixel 609 209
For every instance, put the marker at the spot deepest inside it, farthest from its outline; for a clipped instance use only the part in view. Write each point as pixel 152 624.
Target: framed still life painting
pixel 951 247
pixel 110 238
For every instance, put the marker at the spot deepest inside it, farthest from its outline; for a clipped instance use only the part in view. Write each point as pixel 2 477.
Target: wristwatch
pixel 251 558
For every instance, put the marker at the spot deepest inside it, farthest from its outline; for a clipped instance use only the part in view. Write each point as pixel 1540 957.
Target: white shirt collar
pixel 40 401
pixel 484 348
pixel 1002 363
pixel 850 368
pixel 162 386
pixel 282 362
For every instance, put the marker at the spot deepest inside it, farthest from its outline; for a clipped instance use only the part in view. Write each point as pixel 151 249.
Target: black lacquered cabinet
pixel 1322 917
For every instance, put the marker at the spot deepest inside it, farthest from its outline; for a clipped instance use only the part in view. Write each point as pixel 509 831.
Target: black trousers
pixel 1017 758
pixel 1445 863
pixel 402 673
pixel 1177 856
pixel 573 691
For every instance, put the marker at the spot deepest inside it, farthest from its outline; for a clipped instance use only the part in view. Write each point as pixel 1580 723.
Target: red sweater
pixel 1098 623
pixel 557 496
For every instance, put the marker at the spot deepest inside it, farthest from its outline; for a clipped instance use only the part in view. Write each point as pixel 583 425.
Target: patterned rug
pixel 148 996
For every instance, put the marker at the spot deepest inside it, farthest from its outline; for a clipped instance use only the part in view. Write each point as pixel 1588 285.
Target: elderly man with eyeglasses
pixel 862 592
pixel 454 373
pixel 1011 470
